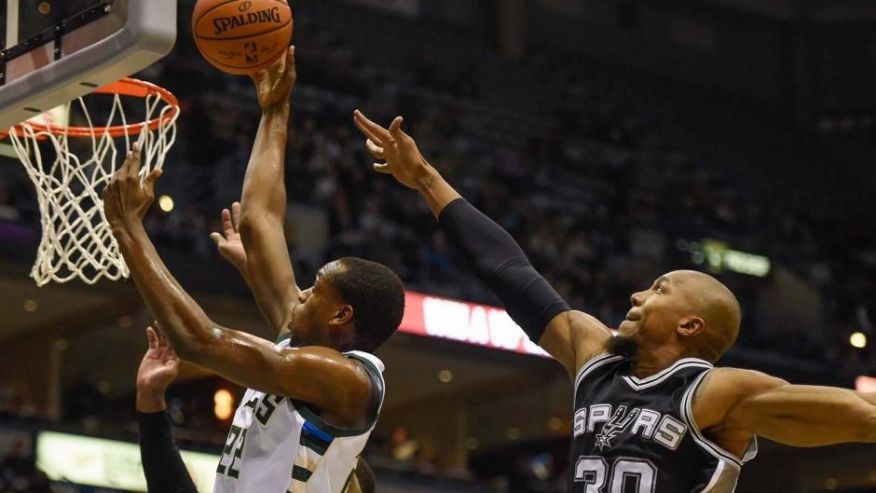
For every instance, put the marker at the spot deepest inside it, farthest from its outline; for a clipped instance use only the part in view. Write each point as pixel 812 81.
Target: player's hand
pixel 228 242
pixel 159 368
pixel 403 159
pixel 274 84
pixel 127 197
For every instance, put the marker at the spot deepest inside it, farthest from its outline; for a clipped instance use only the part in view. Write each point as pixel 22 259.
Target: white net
pixel 70 167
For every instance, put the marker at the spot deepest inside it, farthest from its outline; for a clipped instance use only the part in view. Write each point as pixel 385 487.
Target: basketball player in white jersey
pixel 652 414
pixel 315 395
pixel 162 463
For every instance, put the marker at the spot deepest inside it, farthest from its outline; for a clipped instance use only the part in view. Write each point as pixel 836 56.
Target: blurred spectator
pixel 19 474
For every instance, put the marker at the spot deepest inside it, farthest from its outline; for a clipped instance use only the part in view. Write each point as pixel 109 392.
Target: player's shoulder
pixel 589 335
pixel 339 372
pixel 583 320
pixel 367 360
pixel 586 327
pixel 728 380
pixel 723 388
pixel 573 338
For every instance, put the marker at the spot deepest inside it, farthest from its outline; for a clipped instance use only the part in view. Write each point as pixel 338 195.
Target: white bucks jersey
pixel 278 445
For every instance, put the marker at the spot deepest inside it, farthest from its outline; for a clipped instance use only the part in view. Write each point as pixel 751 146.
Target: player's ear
pixel 342 316
pixel 691 326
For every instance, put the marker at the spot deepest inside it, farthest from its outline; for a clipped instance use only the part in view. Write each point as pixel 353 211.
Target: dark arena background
pixel 615 139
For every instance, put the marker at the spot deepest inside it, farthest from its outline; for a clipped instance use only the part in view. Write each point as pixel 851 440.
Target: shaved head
pixel 712 301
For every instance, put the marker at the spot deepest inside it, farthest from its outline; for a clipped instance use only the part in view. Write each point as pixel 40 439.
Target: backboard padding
pixel 132 36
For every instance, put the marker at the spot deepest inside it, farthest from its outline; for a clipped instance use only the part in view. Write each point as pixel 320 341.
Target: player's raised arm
pixel 263 203
pixel 162 464
pixel 316 375
pixel 741 403
pixel 569 336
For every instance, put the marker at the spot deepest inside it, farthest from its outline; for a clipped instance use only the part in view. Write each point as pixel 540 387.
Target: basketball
pixel 242 37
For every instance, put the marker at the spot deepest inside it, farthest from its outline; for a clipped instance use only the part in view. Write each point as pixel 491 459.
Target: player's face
pixel 655 312
pixel 316 307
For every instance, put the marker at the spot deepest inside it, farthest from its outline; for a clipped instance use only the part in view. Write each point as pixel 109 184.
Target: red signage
pixel 470 323
pixel 865 384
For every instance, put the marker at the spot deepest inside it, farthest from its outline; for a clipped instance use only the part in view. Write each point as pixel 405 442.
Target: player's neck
pixel 654 361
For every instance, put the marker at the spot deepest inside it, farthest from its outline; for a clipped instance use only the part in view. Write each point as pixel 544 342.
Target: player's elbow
pixel 254 224
pixel 248 221
pixel 197 348
pixel 186 349
pixel 249 228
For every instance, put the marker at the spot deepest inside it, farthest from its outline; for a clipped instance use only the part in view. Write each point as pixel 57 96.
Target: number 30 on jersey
pixel 594 472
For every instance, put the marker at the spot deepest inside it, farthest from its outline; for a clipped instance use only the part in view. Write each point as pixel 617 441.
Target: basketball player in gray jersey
pixel 315 395
pixel 652 414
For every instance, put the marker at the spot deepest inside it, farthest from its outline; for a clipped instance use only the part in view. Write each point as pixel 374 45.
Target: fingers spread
pixel 227 224
pixel 217 238
pixel 235 215
pixel 152 337
pixel 395 128
pixel 162 337
pixel 290 63
pixel 154 175
pixel 135 159
pixel 382 168
pixel 125 170
pixel 374 149
pixel 371 130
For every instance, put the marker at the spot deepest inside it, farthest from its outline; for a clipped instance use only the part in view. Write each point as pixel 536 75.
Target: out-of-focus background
pixel 615 139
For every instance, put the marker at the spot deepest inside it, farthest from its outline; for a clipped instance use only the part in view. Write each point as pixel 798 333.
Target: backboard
pixel 54 51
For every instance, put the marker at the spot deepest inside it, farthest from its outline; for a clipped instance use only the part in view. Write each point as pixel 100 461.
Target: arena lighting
pixel 31 305
pixel 718 257
pixel 165 202
pixel 445 376
pixel 109 464
pixel 223 404
pixel 865 384
pixel 858 340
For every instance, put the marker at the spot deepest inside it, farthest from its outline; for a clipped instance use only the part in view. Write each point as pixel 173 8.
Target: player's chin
pixel 627 328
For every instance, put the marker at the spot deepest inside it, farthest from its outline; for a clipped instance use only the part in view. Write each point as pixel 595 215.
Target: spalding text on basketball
pixel 225 24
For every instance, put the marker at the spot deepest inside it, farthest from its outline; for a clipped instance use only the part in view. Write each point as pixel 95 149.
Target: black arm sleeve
pixel 498 261
pixel 162 463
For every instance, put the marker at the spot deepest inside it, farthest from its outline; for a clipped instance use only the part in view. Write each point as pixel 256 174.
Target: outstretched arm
pixel 570 337
pixel 263 203
pixel 162 463
pixel 745 403
pixel 320 376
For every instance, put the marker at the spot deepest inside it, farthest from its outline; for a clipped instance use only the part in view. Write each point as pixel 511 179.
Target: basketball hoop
pixel 77 240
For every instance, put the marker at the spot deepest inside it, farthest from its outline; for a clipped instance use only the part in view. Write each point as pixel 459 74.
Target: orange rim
pixel 127 86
